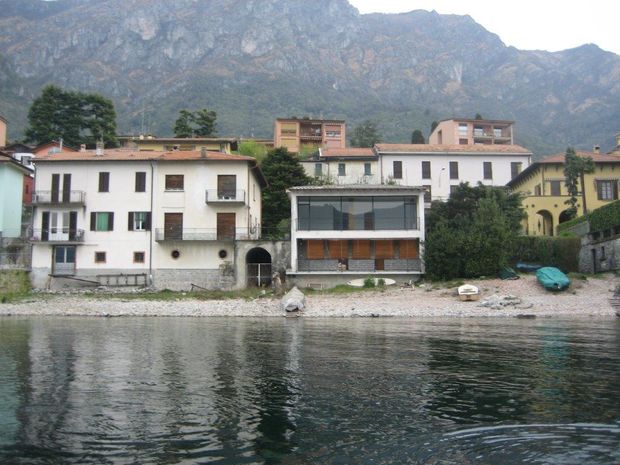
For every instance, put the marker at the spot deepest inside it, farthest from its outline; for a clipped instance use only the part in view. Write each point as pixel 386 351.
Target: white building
pixel 344 166
pixel 167 218
pixel 440 168
pixel 340 232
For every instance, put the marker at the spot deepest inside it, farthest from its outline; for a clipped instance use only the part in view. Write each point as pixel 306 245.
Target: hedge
pixel 601 219
pixel 561 252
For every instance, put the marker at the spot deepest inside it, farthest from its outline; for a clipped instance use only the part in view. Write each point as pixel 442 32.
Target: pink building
pixel 472 131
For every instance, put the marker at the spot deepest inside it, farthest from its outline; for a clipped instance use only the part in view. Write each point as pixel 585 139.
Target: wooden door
pixel 173 226
pixel 226 226
pixel 55 188
pixel 66 188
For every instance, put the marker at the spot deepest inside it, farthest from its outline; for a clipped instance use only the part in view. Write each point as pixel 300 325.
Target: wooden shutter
pixel 45 225
pixel 226 224
pixel 361 249
pixel 130 221
pixel 398 169
pixel 140 181
pixel 93 221
pixel 338 249
pixel 72 225
pixel 66 188
pixel 409 248
pixel 148 221
pixel 384 249
pixel 314 249
pixel 426 170
pixel 454 170
pixel 55 187
pixel 104 181
pixel 111 221
pixel 226 186
pixel 173 225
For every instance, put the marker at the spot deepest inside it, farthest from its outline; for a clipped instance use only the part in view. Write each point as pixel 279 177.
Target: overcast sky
pixel 526 24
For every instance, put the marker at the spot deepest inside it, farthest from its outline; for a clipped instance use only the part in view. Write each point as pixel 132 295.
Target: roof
pixel 53 143
pixel 347 153
pixel 474 149
pixel 308 120
pixel 365 188
pixel 7 159
pixel 130 155
pixel 559 159
pixel 178 139
pixel 2 118
pixel 474 120
pixel 17 147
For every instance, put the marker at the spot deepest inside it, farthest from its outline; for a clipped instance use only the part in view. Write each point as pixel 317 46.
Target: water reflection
pixel 232 391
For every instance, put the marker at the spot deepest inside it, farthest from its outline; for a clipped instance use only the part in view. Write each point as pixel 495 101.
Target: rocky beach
pixel 518 298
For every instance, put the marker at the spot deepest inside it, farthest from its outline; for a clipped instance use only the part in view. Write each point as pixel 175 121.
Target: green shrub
pixel 381 282
pixel 561 252
pixel 369 282
pixel 14 284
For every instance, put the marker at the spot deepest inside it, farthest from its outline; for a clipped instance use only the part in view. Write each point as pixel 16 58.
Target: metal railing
pixel 311 225
pixel 215 195
pixel 371 265
pixel 56 235
pixel 205 234
pixel 59 197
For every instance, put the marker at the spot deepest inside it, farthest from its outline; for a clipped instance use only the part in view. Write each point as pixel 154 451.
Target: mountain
pixel 254 60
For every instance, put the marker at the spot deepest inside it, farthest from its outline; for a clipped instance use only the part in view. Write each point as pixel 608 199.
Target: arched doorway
pixel 544 223
pixel 258 262
pixel 564 216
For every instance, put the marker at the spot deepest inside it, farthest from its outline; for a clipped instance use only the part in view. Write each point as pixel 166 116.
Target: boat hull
pixel 552 279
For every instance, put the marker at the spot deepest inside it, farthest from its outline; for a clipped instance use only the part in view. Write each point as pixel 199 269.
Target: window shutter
pixel 45 225
pixel 148 221
pixel 73 225
pixel 130 222
pixel 111 221
pixel 93 221
pixel 615 190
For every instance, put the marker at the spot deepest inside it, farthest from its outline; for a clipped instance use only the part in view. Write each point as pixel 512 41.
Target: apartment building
pixel 294 133
pixel 440 168
pixel 170 218
pixel 184 144
pixel 12 192
pixel 343 166
pixel 342 232
pixel 472 131
pixel 543 187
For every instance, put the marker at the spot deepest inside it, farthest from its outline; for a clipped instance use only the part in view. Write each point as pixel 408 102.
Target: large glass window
pixel 356 213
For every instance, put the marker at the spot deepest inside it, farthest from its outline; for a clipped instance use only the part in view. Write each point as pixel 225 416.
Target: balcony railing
pixel 205 234
pixel 218 196
pixel 59 198
pixel 56 235
pixel 313 225
pixel 372 265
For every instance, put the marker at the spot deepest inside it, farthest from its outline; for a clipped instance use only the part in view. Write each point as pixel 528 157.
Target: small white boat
pixel 360 282
pixel 469 292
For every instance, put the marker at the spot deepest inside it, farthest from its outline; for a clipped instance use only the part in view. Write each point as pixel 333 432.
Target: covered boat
pixel 468 292
pixel 552 279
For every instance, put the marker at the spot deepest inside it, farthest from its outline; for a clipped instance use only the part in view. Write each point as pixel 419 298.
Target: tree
pixel 434 124
pixel 473 233
pixel 417 137
pixel 251 148
pixel 76 117
pixel 575 167
pixel 282 170
pixel 478 116
pixel 200 123
pixel 365 134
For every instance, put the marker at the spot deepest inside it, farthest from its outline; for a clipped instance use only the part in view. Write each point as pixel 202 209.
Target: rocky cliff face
pixel 254 60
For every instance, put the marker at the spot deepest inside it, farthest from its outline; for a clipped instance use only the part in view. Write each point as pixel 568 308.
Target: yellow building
pixel 545 195
pixel 294 133
pixel 183 144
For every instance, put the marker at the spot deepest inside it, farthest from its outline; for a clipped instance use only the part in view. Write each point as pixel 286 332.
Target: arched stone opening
pixel 564 216
pixel 544 223
pixel 258 263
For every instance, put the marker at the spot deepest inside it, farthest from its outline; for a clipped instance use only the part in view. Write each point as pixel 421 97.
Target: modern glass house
pixel 347 230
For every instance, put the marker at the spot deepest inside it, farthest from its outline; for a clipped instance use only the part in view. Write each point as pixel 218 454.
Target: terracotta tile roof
pixel 596 157
pixel 559 159
pixel 140 155
pixel 464 149
pixel 348 152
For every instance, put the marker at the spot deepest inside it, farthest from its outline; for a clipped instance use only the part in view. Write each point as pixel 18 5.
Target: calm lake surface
pixel 300 391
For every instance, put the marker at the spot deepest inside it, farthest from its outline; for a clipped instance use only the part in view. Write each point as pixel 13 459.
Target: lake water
pixel 301 391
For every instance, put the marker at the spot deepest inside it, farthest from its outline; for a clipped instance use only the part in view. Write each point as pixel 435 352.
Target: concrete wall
pixel 600 255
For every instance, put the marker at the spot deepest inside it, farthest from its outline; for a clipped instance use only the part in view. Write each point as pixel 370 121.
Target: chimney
pixel 596 149
pixel 99 149
pixel 203 152
pixel 82 147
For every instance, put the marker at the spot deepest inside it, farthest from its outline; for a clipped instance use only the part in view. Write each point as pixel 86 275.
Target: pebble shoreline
pixel 584 299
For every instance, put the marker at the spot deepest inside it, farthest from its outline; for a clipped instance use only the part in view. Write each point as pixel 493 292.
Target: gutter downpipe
pixel 151 230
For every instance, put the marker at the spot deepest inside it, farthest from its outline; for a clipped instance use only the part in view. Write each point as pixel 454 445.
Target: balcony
pixel 59 198
pixel 392 265
pixel 205 234
pixel 56 235
pixel 227 197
